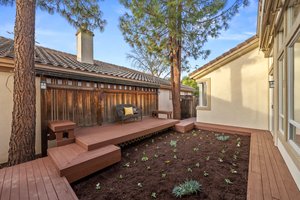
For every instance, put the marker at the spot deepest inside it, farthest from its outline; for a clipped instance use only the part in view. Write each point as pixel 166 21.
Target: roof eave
pixel 224 59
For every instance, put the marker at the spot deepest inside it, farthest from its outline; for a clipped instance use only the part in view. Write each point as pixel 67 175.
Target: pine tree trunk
pixel 176 65
pixel 175 81
pixel 22 140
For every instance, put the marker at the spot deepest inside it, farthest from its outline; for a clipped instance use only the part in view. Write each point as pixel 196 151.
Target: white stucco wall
pixel 6 105
pixel 239 93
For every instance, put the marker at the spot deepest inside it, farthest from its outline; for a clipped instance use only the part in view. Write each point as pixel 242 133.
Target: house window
pixel 204 94
pixel 294 93
pixel 281 96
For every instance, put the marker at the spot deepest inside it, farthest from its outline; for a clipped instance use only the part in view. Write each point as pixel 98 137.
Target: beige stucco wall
pixel 239 93
pixel 6 105
pixel 164 101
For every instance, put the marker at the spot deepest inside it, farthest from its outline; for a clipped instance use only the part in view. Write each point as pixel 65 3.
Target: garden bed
pixel 151 168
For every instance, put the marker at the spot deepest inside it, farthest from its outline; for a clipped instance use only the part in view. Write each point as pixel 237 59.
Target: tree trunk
pixel 176 64
pixel 22 140
pixel 175 81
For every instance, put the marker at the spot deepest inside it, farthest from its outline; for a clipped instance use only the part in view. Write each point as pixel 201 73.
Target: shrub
pixel 222 137
pixel 187 188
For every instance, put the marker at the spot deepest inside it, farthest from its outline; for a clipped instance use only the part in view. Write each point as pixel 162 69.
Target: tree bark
pixel 22 140
pixel 176 65
pixel 175 80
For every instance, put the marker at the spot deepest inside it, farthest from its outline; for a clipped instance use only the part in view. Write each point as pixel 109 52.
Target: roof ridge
pixel 53 57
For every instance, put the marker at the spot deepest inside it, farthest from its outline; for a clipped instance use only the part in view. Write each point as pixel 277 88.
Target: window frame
pixel 207 81
pixel 290 90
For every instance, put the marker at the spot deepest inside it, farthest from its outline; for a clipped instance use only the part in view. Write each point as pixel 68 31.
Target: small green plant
pixel 228 181
pixel 186 188
pixel 196 149
pixel 223 137
pixel 127 154
pixel 197 164
pixel 238 144
pixel 140 185
pixel 233 171
pixel 121 176
pixel 98 187
pixel 167 161
pixel 189 169
pixel 127 164
pixel 152 140
pixel 163 175
pixel 223 151
pixel 173 143
pixel 205 173
pixel 148 167
pixel 155 156
pixel 207 158
pixel 154 195
pixel 234 164
pixel 175 157
pixel 145 158
pixel 174 150
pixel 220 160
pixel 234 157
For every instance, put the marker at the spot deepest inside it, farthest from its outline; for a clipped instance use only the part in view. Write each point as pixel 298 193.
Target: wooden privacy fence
pixel 90 103
pixel 188 105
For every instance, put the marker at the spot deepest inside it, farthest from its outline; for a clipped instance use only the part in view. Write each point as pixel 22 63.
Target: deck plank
pixel 264 172
pixel 62 190
pixel 280 184
pixel 41 190
pixel 269 169
pixel 32 190
pixel 47 181
pixel 6 184
pixel 15 192
pixel 2 175
pixel 23 182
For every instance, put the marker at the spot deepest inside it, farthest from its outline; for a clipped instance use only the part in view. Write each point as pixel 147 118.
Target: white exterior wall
pixel 239 93
pixel 6 106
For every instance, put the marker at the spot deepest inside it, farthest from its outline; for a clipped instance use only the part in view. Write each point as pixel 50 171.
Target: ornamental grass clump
pixel 187 188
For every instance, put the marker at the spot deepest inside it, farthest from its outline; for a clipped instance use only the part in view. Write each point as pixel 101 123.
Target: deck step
pixel 185 125
pixel 74 162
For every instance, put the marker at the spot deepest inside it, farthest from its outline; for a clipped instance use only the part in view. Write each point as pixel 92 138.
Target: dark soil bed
pixel 155 166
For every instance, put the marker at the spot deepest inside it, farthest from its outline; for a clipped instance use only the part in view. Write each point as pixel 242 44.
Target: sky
pixel 53 31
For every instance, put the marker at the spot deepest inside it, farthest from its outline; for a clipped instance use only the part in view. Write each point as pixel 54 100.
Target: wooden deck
pixel 99 136
pixel 268 175
pixel 36 179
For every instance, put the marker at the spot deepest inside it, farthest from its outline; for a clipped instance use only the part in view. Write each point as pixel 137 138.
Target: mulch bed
pixel 195 153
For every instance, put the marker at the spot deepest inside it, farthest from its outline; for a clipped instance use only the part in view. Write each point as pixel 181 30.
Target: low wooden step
pixel 74 162
pixel 185 125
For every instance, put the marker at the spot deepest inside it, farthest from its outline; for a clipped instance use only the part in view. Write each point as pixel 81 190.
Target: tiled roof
pixel 55 58
pixel 209 64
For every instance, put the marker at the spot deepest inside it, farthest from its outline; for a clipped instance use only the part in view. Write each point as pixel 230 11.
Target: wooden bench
pixel 155 113
pixel 61 127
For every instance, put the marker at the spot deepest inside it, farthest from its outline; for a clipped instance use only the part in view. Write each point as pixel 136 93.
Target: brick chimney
pixel 85 47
